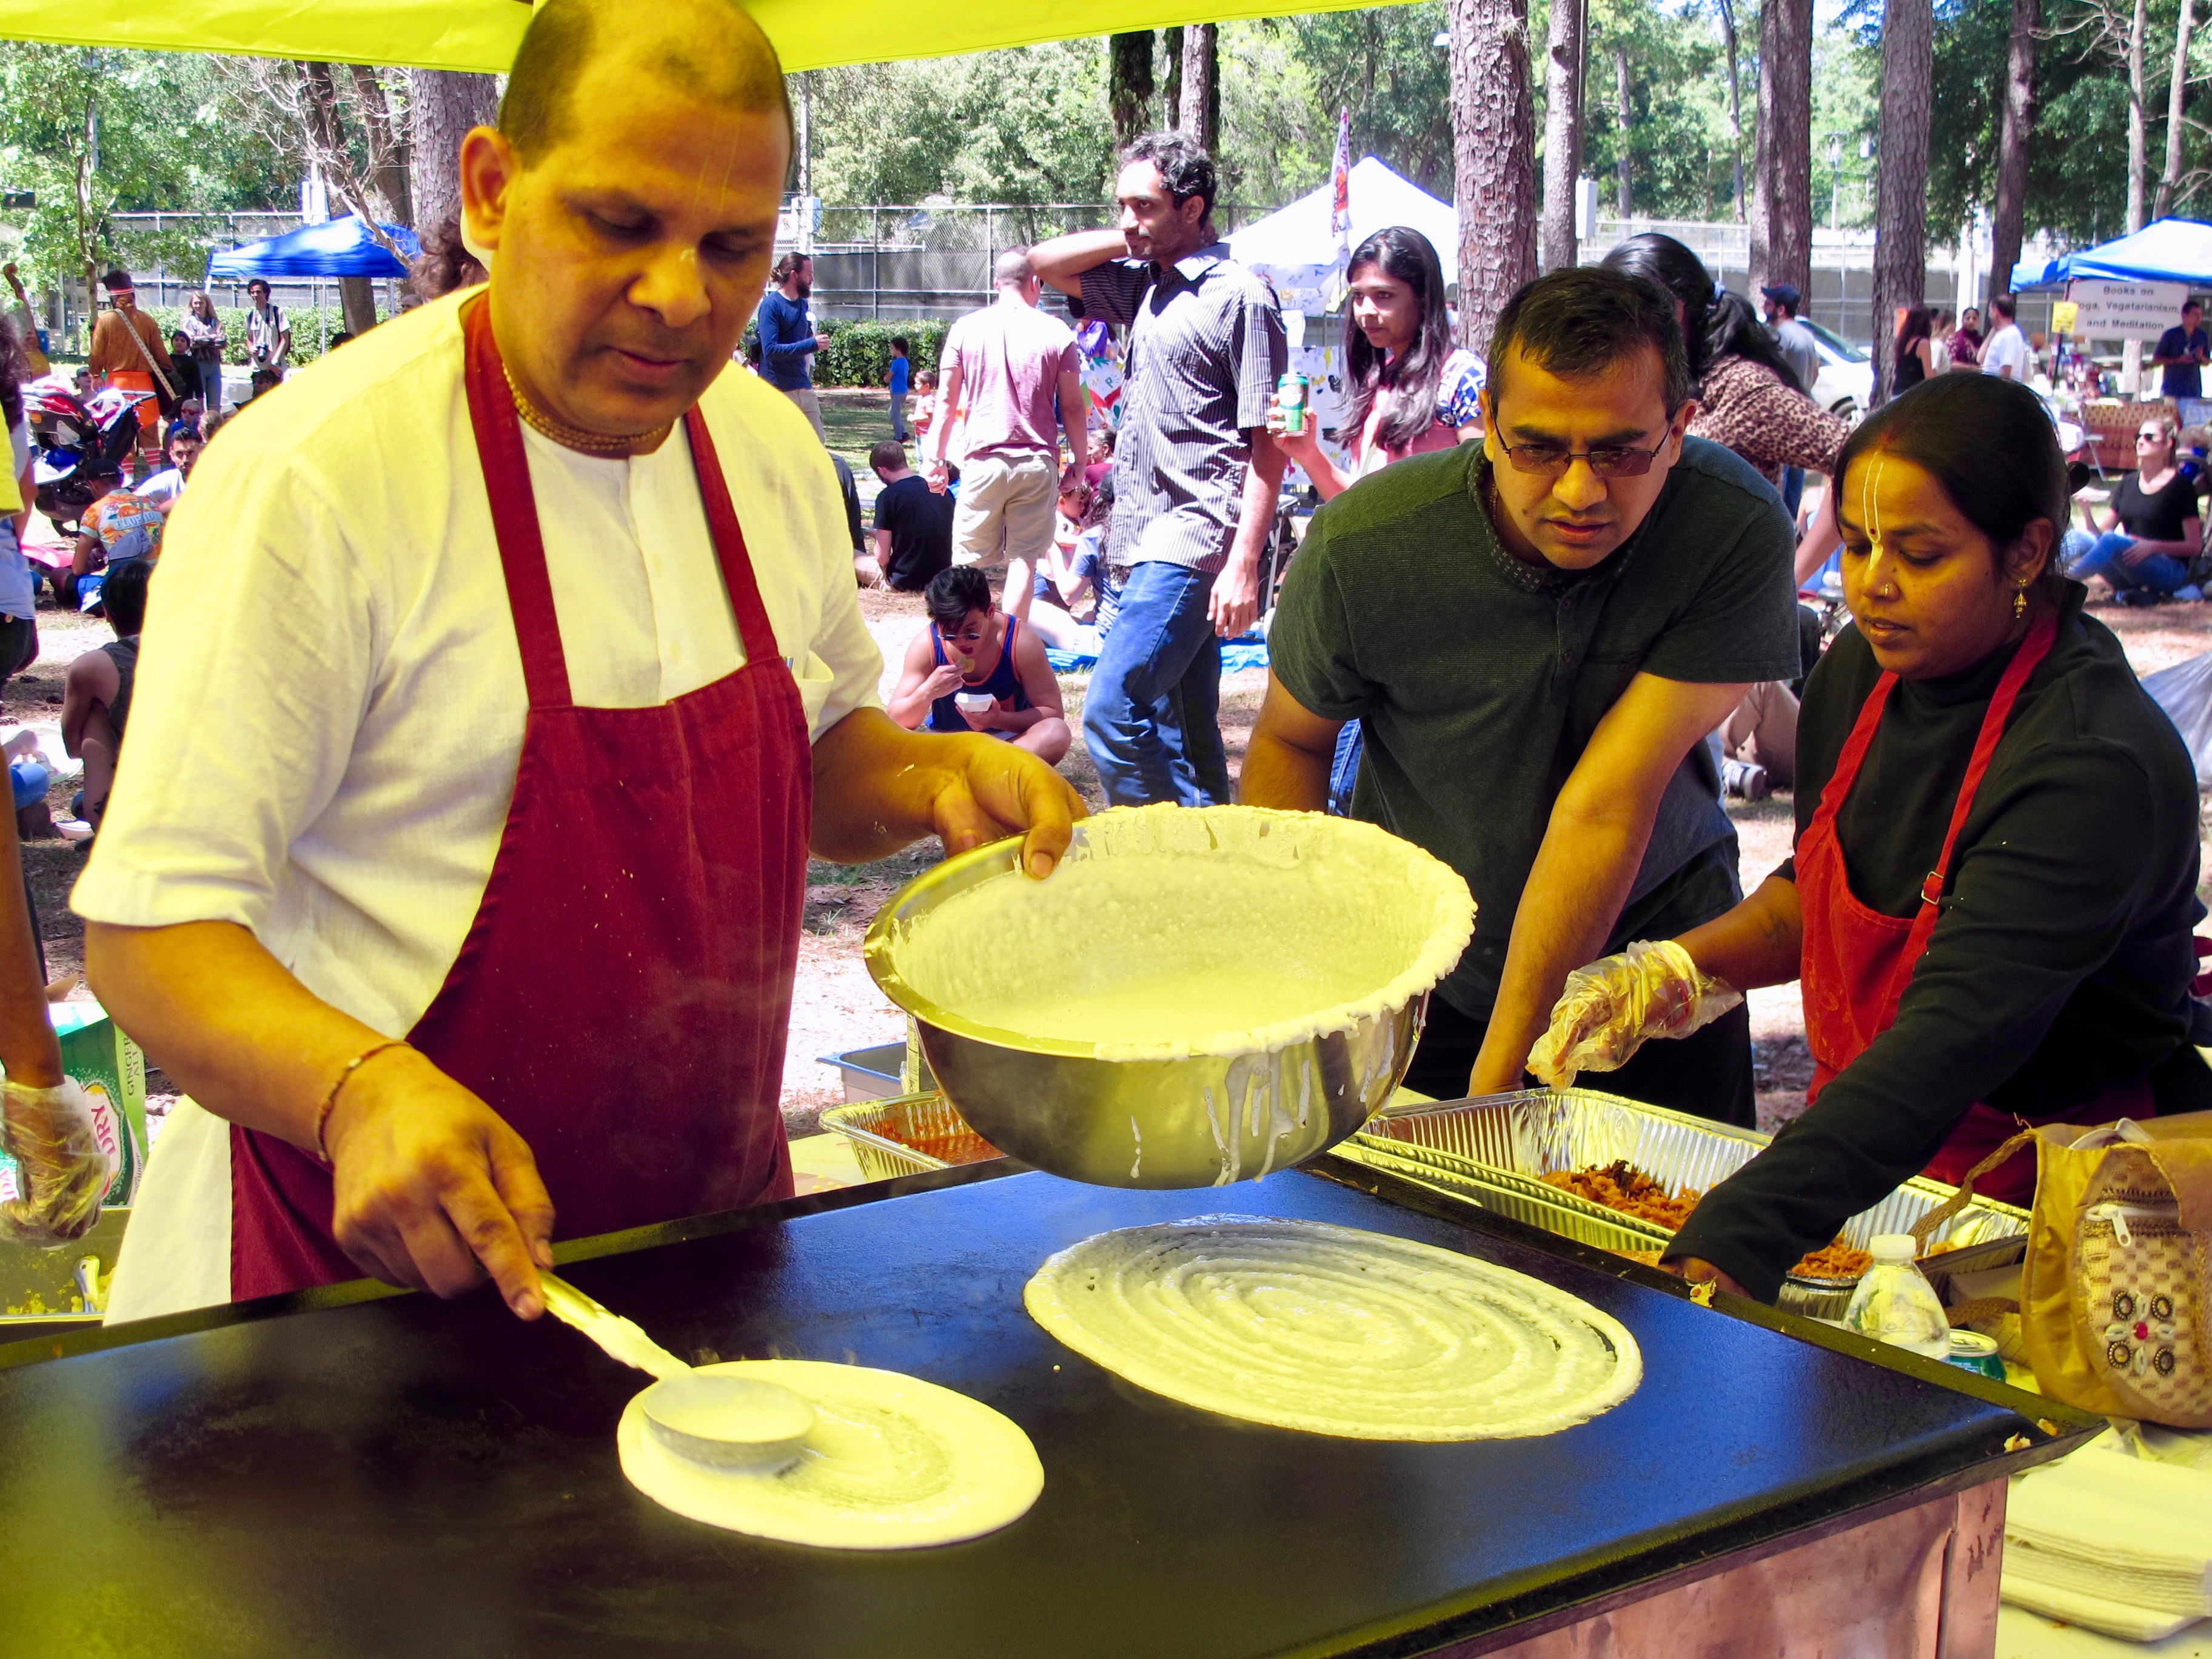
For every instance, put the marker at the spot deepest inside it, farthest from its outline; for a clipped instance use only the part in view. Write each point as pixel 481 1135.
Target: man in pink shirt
pixel 1014 376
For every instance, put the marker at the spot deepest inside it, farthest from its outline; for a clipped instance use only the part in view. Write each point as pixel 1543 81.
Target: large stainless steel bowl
pixel 1202 1120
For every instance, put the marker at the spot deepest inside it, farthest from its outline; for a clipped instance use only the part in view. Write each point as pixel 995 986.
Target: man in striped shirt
pixel 1195 475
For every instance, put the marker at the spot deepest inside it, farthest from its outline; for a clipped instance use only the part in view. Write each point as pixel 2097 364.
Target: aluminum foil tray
pixel 909 1134
pixel 1499 1147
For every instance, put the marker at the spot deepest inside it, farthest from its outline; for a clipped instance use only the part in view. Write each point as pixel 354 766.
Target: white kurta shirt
pixel 329 703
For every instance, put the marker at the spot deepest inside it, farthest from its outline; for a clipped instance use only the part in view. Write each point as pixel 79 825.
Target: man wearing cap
pixel 127 353
pixel 1801 351
pixel 502 674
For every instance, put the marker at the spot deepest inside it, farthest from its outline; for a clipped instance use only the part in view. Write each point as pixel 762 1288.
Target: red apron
pixel 622 996
pixel 1858 961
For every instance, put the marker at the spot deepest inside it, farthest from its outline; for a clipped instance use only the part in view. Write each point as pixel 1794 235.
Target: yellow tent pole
pixel 481 34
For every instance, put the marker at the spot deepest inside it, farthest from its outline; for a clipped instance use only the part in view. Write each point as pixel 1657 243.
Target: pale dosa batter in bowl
pixel 1194 997
pixel 1335 1331
pixel 892 1462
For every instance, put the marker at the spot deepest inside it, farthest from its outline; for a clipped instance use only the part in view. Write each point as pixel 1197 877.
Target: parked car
pixel 1846 385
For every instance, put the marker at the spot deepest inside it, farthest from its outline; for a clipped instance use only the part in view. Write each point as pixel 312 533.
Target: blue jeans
pixel 1152 717
pixel 2085 557
pixel 1344 768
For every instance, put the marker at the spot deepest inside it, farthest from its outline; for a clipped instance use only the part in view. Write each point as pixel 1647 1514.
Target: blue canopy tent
pixel 337 247
pixel 2164 250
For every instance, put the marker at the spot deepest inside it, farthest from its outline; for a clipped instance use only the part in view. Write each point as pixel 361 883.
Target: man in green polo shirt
pixel 1537 637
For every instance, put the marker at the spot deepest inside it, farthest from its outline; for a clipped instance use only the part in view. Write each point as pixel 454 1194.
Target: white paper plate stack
pixel 2111 1542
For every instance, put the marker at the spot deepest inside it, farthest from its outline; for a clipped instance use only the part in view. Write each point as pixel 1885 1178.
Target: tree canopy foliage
pixel 95 132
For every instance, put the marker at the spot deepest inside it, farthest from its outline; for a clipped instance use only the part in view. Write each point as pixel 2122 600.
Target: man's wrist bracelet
pixel 330 1100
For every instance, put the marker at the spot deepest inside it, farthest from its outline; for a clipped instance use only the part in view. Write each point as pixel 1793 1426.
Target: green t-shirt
pixel 1479 679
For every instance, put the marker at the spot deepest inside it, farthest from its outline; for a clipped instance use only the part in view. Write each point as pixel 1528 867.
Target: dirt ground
pixel 836 1007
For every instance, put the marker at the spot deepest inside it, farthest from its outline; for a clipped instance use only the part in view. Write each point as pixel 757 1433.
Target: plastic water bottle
pixel 1895 1304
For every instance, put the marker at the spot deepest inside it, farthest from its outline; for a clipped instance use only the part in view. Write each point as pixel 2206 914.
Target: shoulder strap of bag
pixel 147 357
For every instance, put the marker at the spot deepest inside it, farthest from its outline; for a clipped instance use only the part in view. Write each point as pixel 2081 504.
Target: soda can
pixel 1973 1352
pixel 1291 399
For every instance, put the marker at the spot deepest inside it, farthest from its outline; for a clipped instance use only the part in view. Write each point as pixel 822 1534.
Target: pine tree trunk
pixel 1494 150
pixel 357 303
pixel 1900 248
pixel 1624 117
pixel 2177 95
pixel 2138 164
pixel 1198 116
pixel 444 103
pixel 1734 110
pixel 1562 130
pixel 2015 133
pixel 1171 71
pixel 1129 84
pixel 1782 164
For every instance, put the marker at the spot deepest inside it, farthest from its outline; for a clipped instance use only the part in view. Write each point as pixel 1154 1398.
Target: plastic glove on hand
pixel 48 1132
pixel 1606 1010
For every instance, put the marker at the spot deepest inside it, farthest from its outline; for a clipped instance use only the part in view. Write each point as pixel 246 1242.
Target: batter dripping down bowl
pixel 1193 998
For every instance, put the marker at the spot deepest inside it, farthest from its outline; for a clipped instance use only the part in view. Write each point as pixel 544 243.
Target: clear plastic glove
pixel 1606 1010
pixel 62 1171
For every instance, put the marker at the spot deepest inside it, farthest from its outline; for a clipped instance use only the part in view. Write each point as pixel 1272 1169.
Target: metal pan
pixel 1501 1145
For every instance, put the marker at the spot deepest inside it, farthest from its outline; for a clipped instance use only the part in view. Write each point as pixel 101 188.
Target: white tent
pixel 1291 247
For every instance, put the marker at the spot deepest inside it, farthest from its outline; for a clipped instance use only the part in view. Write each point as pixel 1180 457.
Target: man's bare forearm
pixel 1062 261
pixel 1576 890
pixel 226 1020
pixel 1263 484
pixel 29 1048
pixel 874 785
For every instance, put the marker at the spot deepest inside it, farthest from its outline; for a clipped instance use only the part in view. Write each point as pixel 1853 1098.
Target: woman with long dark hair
pixel 1411 389
pixel 1916 344
pixel 1987 937
pixel 1749 397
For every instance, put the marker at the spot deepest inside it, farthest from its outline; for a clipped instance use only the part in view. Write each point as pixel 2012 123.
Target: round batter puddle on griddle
pixel 893 1462
pixel 1335 1331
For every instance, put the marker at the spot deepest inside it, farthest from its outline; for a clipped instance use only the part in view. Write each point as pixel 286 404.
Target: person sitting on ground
pixel 165 487
pixel 264 381
pixel 848 490
pixel 96 697
pixel 2151 533
pixel 914 523
pixel 1078 592
pixel 1102 451
pixel 1758 742
pixel 1411 389
pixel 120 526
pixel 976 669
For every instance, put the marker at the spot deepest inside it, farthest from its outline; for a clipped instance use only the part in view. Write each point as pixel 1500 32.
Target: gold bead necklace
pixel 572 437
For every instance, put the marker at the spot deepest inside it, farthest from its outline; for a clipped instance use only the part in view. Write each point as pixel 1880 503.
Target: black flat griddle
pixel 352 1472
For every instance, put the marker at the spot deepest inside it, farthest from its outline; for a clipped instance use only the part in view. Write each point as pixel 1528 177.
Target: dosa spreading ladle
pixel 728 1422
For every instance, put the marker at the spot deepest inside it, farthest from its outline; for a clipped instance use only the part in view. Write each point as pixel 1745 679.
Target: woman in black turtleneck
pixel 2041 972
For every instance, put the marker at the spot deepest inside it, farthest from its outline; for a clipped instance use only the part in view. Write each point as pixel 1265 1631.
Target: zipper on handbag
pixel 2118 1214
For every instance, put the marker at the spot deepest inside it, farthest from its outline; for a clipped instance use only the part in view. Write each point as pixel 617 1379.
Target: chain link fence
pixel 900 263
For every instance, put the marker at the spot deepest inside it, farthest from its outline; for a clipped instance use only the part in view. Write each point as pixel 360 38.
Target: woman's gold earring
pixel 2020 602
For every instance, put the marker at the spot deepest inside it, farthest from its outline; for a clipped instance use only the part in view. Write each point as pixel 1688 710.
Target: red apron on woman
pixel 622 995
pixel 1858 961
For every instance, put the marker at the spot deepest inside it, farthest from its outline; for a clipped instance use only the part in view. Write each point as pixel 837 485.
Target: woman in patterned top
pixel 1412 391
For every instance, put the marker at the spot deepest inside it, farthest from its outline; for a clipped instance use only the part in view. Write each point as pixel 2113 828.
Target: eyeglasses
pixel 1608 461
pixel 2150 437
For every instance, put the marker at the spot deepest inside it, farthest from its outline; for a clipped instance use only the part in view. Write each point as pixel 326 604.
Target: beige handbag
pixel 2116 1293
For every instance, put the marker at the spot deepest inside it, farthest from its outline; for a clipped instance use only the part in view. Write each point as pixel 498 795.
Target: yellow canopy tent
pixel 481 34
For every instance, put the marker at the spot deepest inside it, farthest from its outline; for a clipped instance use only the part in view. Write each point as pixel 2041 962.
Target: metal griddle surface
pixel 402 1476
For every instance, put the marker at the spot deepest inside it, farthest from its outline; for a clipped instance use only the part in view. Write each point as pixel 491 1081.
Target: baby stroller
pixel 82 447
